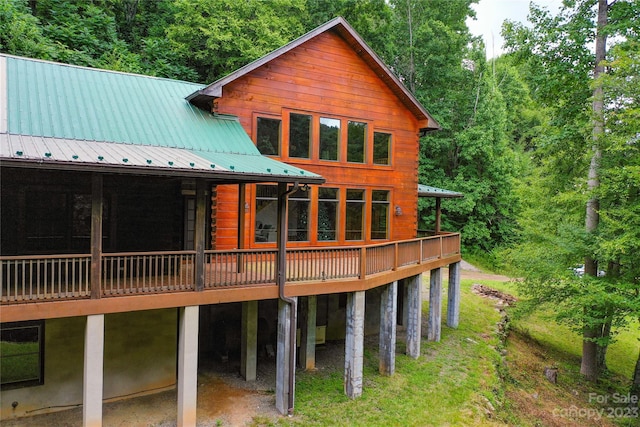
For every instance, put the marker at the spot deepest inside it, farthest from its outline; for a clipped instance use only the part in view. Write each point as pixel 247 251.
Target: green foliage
pixel 217 37
pixel 21 33
pixel 556 63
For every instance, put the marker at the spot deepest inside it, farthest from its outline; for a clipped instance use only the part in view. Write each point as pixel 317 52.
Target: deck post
pixel 96 234
pixel 93 371
pixel 308 311
pixel 187 382
pixel 453 302
pixel 388 320
pixel 283 357
pixel 413 286
pixel 435 305
pixel 354 344
pixel 249 340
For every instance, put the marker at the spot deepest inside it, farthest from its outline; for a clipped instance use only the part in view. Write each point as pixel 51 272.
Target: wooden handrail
pixel 54 277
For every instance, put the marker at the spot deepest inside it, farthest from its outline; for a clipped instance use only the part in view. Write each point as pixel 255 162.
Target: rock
pixel 551 373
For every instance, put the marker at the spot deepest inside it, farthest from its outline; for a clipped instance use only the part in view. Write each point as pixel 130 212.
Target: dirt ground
pixel 224 398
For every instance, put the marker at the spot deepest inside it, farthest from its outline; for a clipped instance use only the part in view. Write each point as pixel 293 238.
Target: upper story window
pixel 300 135
pixel 329 138
pixel 356 141
pixel 381 148
pixel 21 354
pixel 268 134
pixel 379 214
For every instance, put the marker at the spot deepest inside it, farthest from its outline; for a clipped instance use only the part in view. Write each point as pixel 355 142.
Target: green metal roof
pixel 83 117
pixel 428 191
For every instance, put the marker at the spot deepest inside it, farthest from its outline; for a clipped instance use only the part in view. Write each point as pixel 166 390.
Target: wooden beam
pixel 200 231
pixel 96 234
pixel 438 214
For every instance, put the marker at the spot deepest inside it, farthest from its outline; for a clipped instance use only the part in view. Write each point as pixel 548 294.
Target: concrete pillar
pixel 187 383
pixel 93 371
pixel 249 340
pixel 388 318
pixel 354 345
pixel 308 312
pixel 283 381
pixel 413 301
pixel 435 305
pixel 453 303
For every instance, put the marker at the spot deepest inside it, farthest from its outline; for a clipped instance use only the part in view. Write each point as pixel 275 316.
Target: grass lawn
pixel 454 382
pixel 470 378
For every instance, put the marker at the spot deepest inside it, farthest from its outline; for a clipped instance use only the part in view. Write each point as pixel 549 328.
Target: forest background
pixel 543 141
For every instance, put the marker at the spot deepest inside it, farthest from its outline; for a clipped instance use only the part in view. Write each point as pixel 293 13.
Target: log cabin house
pixel 149 224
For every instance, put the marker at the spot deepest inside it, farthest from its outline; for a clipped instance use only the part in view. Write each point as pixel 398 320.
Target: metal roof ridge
pixel 104 70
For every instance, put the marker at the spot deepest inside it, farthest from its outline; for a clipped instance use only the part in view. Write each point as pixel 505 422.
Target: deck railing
pixel 56 277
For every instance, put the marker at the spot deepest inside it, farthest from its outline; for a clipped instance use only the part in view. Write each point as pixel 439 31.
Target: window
pixel 355 215
pixel 268 136
pixel 21 354
pixel 299 135
pixel 381 148
pixel 327 213
pixel 379 214
pixel 329 138
pixel 60 221
pixel 356 139
pixel 266 213
pixel 298 216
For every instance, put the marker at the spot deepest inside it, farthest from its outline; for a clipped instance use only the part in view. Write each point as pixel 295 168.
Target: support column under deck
pixel 435 305
pixel 249 340
pixel 388 320
pixel 282 357
pixel 308 311
pixel 354 344
pixel 187 383
pixel 93 371
pixel 453 302
pixel 413 302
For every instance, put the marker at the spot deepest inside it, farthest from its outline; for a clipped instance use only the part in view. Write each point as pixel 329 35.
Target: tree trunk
pixel 635 385
pixel 590 366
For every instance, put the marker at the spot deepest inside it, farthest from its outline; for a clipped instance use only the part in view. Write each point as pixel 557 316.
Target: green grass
pixel 450 384
pixel 621 355
pixel 463 380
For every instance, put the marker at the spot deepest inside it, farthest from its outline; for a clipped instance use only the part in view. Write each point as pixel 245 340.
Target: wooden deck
pixel 237 275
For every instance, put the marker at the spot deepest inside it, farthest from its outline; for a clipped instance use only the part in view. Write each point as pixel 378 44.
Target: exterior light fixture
pixel 398 211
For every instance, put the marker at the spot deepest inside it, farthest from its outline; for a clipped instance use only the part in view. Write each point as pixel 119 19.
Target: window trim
pixel 40 324
pixel 257 116
pixel 389 148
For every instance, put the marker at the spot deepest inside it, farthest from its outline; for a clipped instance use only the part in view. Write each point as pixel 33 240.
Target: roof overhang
pixel 108 157
pixel 428 191
pixel 204 97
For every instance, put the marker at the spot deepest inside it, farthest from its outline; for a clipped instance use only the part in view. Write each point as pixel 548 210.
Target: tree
pixel 21 33
pixel 579 160
pixel 217 37
pixel 446 69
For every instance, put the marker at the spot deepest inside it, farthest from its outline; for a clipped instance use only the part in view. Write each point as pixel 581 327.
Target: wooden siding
pixel 325 76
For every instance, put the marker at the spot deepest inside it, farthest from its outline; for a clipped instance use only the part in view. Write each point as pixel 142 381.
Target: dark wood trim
pixel 96 234
pixel 200 232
